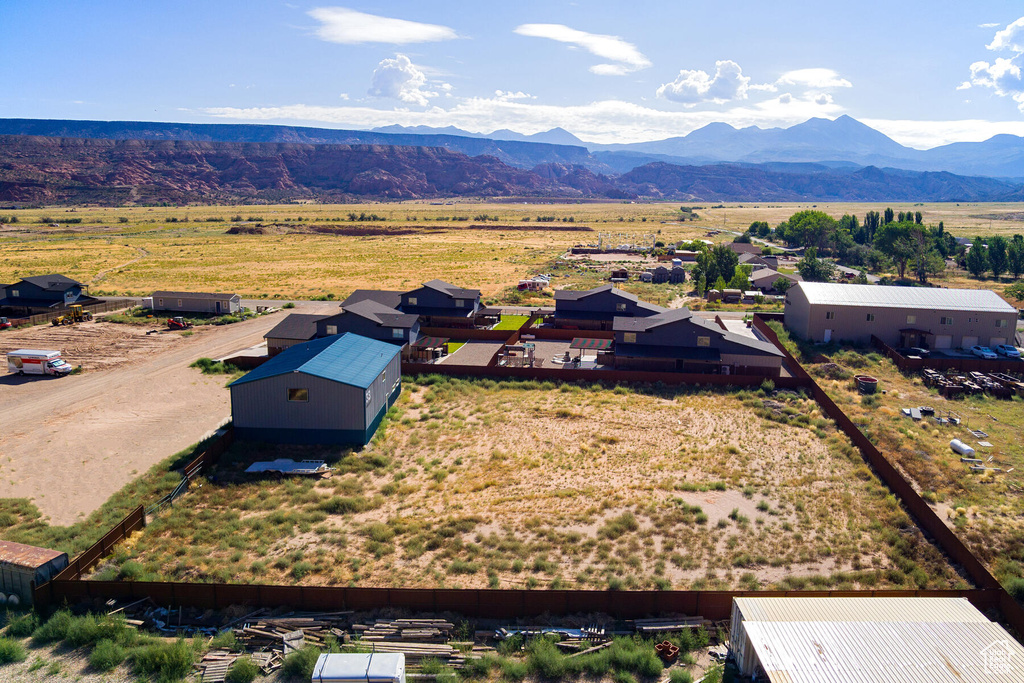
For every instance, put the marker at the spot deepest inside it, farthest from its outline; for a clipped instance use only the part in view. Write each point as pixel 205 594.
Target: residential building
pixel 678 341
pixel 439 304
pixel 43 293
pixel 596 309
pixel 744 248
pixel 197 302
pixel 764 279
pixel 294 329
pixel 371 319
pixel 381 296
pixel 334 390
pixel 902 317
pixel 869 639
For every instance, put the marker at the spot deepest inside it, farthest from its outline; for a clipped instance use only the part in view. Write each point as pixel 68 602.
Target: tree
pixel 1016 291
pixel 889 216
pixel 701 284
pixel 781 284
pixel 918 218
pixel 720 284
pixel 814 269
pixel 743 238
pixel 997 257
pixel 897 243
pixel 717 262
pixel 871 222
pixel 741 278
pixel 861 279
pixel 977 258
pixel 1015 256
pixel 811 229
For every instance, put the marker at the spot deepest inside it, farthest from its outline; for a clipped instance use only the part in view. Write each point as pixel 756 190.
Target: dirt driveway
pixel 70 443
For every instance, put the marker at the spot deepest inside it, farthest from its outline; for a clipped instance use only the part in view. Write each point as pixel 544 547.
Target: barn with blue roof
pixel 326 391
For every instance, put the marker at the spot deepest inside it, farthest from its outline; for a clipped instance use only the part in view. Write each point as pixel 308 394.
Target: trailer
pixel 37 362
pixel 376 667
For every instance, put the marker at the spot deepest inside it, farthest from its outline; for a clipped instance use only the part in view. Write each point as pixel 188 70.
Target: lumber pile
pixel 407 630
pixel 415 653
pixel 666 625
pixel 215 665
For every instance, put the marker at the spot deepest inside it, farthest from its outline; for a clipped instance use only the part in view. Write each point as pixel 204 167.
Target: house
pixel 764 279
pixel 678 341
pixel 759 261
pixel 741 248
pixel 197 302
pixel 596 309
pixel 371 319
pixel 294 329
pixel 911 639
pixel 334 390
pixel 677 275
pixel 42 293
pixel 900 316
pixel 381 296
pixel 439 303
pixel 21 566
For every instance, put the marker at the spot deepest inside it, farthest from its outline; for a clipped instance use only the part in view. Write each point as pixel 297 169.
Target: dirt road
pixel 70 443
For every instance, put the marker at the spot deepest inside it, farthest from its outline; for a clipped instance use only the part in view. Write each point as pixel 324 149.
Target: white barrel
pixel 3 598
pixel 961 448
pixel 13 600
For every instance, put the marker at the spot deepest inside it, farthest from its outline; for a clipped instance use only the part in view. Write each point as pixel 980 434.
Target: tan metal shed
pixel 21 566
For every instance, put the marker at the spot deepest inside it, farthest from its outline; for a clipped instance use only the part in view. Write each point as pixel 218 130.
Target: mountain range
pixel 37 170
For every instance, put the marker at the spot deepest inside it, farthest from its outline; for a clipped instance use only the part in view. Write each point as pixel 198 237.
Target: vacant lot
pixel 477 483
pixel 987 509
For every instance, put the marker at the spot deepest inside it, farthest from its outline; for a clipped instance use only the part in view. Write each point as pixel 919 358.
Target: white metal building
pixel 867 640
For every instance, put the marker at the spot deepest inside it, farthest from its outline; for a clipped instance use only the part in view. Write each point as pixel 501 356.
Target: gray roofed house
pixel 41 293
pixel 374 320
pixel 197 302
pixel 764 279
pixel 326 391
pixel 596 309
pixel 442 303
pixel 676 340
pixel 933 318
pixel 294 329
pixel 381 296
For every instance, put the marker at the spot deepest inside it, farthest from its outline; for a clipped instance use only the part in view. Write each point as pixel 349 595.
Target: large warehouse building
pixel 900 316
pixel 871 639
pixel 326 391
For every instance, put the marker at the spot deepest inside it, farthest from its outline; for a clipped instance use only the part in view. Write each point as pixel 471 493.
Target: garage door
pixel 943 341
pixel 968 342
pixel 996 341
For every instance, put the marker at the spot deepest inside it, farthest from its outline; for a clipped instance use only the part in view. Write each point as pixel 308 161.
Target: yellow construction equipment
pixel 75 314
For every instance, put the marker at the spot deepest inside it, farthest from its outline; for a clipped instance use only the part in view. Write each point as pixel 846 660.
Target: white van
pixel 34 362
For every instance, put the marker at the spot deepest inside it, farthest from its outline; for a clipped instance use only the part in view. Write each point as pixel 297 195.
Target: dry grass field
pixel 527 484
pixel 987 509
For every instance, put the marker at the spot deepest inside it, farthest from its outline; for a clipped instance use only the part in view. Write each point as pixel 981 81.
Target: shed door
pixel 943 341
pixel 217 305
pixel 997 341
pixel 828 336
pixel 968 342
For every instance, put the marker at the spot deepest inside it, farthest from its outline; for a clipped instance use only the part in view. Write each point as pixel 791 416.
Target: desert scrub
pixel 244 670
pixel 165 662
pixel 21 625
pixel 298 666
pixel 11 651
pixel 107 655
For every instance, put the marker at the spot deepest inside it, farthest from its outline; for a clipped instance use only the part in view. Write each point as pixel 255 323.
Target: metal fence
pixel 101 307
pixel 960 364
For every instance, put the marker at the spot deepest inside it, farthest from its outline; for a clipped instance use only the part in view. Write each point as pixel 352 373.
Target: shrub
pixel 22 625
pixel 299 665
pixel 513 670
pixel 11 651
pixel 1016 589
pixel 55 628
pixel 623 677
pixel 165 662
pixel 677 675
pixel 106 656
pixel 301 569
pixel 225 640
pixel 244 670
pixel 617 526
pixel 289 305
pixel 545 660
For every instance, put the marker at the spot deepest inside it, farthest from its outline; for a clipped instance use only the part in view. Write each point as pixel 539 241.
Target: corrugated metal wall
pixel 264 404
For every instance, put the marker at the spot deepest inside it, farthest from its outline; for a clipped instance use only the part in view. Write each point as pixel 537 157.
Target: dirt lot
pixel 69 443
pixel 524 484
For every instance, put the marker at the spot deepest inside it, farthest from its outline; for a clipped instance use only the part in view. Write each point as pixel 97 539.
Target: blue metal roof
pixel 349 359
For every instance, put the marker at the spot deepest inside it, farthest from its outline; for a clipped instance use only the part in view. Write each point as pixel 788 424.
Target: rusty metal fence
pixel 959 364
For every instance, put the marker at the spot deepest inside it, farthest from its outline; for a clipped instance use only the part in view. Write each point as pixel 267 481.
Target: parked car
pixel 983 352
pixel 916 351
pixel 1008 351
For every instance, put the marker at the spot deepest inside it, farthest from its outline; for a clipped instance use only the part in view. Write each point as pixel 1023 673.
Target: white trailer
pixel 36 362
pixel 376 667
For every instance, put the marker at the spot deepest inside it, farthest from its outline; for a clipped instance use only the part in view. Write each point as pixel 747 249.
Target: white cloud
pixel 625 57
pixel 928 134
pixel 1010 38
pixel 823 98
pixel 785 98
pixel 1003 77
pixel 989 25
pixel 814 78
pixel 964 86
pixel 347 26
pixel 693 87
pixel 400 79
pixel 508 95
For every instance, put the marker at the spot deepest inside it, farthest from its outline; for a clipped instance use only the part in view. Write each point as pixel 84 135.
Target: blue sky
pixel 925 73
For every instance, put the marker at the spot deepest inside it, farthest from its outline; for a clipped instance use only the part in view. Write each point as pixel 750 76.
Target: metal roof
pixel 865 640
pixel 878 296
pixel 347 359
pixel 23 555
pixel 301 326
pixel 195 295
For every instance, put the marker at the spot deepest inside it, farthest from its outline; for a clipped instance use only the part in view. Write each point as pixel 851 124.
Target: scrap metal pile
pixel 954 384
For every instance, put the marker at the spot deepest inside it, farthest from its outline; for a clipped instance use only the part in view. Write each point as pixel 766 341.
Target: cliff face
pixel 38 169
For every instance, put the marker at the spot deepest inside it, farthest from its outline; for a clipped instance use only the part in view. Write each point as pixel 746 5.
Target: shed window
pixel 629 337
pixel 300 395
pixel 703 341
pixel 871 317
pixel 946 320
pixel 1001 323
pixel 160 302
pixel 620 307
pixel 227 305
pixel 830 315
pixel 15 293
pixel 332 329
pixel 179 303
pixel 396 333
pixel 460 303
pixel 911 319
pixel 412 301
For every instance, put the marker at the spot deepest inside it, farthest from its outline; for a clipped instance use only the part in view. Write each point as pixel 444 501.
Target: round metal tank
pixel 866 384
pixel 960 447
